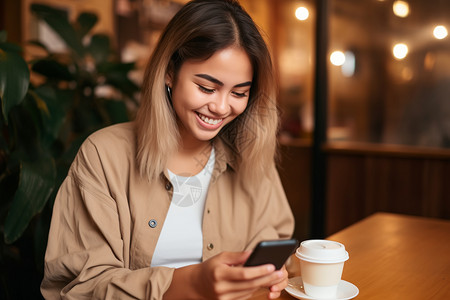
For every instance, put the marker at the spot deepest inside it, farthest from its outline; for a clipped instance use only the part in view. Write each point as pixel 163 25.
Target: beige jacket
pixel 107 220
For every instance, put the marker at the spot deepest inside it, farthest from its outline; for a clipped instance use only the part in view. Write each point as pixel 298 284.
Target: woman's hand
pixel 275 290
pixel 223 277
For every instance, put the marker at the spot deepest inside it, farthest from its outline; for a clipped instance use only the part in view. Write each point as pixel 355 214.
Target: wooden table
pixel 396 257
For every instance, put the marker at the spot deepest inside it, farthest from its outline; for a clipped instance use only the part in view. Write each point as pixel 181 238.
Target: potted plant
pixel 42 126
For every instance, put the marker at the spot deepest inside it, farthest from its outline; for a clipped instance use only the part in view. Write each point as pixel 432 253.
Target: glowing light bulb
pixel 348 68
pixel 401 9
pixel 337 58
pixel 400 51
pixel 440 32
pixel 302 13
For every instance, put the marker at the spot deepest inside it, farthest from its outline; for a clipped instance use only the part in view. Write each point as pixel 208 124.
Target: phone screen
pixel 274 252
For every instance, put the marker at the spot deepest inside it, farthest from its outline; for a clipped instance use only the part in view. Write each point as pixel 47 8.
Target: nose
pixel 220 105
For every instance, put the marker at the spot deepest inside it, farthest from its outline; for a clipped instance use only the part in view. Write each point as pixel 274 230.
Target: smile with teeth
pixel 209 121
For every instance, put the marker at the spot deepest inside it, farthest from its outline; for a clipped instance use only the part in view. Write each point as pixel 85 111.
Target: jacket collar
pixel 225 155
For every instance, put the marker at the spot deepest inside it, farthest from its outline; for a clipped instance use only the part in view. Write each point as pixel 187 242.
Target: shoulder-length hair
pixel 197 31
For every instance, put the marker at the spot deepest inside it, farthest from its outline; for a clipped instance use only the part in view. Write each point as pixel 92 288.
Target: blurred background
pixel 364 94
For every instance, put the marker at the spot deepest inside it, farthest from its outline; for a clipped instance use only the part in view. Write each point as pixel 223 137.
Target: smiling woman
pixel 195 36
pixel 166 206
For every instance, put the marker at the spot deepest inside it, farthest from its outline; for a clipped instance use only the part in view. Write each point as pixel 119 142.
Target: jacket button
pixel 168 186
pixel 210 246
pixel 152 223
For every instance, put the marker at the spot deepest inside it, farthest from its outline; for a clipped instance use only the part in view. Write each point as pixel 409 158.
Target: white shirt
pixel 181 240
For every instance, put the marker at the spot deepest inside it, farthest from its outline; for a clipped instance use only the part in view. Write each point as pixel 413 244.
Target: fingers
pixel 253 283
pixel 258 276
pixel 224 277
pixel 237 272
pixel 248 273
pixel 276 288
pixel 279 285
pixel 274 295
pixel 265 275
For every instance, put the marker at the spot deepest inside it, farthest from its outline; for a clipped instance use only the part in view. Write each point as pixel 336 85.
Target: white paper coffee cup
pixel 321 265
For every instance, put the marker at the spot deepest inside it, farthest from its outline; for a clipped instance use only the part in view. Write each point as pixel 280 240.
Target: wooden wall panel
pixel 345 191
pixel 362 182
pixel 294 169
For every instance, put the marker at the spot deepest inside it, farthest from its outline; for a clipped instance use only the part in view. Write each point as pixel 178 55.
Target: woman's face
pixel 209 94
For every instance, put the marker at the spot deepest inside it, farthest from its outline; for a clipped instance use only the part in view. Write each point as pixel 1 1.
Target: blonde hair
pixel 197 31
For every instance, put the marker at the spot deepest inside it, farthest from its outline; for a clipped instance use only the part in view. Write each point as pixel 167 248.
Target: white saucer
pixel 346 290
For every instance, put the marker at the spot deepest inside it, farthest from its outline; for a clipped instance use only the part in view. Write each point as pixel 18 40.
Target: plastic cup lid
pixel 322 251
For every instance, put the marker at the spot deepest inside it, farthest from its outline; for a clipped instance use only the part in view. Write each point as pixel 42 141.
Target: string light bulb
pixel 337 58
pixel 401 8
pixel 440 32
pixel 400 51
pixel 302 13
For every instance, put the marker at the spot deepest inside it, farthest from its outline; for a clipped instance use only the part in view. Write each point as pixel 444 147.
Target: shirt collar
pixel 225 157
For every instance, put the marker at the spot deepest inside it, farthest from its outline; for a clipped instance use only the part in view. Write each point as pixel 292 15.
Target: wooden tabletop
pixel 395 257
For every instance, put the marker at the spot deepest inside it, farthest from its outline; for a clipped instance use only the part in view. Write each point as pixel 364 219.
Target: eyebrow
pixel 217 81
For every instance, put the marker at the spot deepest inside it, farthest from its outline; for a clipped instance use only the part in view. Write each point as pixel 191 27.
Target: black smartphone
pixel 274 252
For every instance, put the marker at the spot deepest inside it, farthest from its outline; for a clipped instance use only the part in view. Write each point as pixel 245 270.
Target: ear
pixel 168 79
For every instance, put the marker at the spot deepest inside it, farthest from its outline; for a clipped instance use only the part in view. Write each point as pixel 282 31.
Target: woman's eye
pixel 240 95
pixel 206 90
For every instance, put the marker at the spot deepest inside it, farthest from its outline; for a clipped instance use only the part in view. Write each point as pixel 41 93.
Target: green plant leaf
pixel 116 74
pixel 54 113
pixel 52 69
pixel 58 21
pixel 25 129
pixel 8 47
pixel 121 82
pixel 14 80
pixel 85 22
pixel 36 183
pixel 99 48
